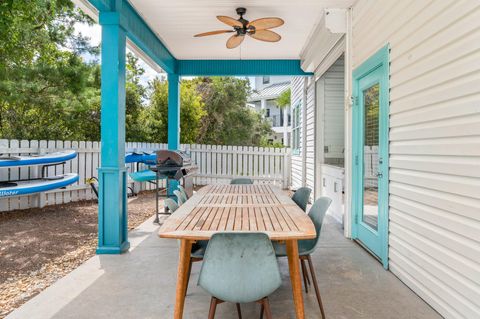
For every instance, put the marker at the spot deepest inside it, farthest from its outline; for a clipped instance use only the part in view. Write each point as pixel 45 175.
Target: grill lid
pixel 168 158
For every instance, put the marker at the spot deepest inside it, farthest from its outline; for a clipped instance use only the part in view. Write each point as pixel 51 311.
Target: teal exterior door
pixel 370 154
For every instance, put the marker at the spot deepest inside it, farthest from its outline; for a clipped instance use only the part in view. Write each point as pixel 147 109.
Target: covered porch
pixel 134 274
pixel 141 284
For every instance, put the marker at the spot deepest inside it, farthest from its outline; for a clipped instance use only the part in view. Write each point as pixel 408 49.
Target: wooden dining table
pixel 239 208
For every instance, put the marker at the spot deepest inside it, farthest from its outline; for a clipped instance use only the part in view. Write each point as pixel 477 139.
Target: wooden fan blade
pixel 266 23
pixel 265 35
pixel 230 21
pixel 213 33
pixel 234 41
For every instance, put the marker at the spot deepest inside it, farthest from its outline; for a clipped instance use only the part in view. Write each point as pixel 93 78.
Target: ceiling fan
pixel 257 29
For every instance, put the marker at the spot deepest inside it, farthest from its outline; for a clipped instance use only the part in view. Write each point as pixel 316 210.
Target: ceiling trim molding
pixel 240 67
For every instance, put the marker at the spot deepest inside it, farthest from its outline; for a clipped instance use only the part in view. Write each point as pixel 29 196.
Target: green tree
pixel 134 97
pixel 283 100
pixel 229 120
pixel 46 90
pixel 192 111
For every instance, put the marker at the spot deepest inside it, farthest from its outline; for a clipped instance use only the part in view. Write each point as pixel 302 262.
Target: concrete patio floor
pixel 141 284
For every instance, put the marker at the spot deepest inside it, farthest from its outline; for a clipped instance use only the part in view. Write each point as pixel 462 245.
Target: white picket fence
pixel 216 164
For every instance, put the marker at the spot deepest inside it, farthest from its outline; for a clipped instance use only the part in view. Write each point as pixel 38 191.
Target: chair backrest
pixel 171 204
pixel 239 267
pixel 317 214
pixel 241 180
pixel 183 191
pixel 301 196
pixel 179 197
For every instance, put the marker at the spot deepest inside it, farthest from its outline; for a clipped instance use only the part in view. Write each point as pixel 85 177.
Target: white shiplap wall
pixel 310 137
pixel 434 143
pixel 303 90
pixel 297 87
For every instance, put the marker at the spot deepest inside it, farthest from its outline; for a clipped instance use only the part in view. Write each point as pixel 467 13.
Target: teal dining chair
pixel 240 268
pixel 171 204
pixel 183 193
pixel 179 196
pixel 198 249
pixel 307 246
pixel 301 197
pixel 241 180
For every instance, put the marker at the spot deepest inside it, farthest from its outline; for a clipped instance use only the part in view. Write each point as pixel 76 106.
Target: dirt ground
pixel 39 246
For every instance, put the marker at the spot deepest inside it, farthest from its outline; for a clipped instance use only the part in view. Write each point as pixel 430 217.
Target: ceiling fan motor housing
pixel 245 28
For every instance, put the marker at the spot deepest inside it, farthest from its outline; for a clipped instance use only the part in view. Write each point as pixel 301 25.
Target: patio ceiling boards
pixel 164 31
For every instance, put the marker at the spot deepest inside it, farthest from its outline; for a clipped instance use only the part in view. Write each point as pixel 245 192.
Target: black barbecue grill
pixel 174 165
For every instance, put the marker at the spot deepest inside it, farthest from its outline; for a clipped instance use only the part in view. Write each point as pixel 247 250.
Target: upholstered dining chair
pixel 240 268
pixel 198 249
pixel 183 192
pixel 171 204
pixel 180 198
pixel 241 180
pixel 307 247
pixel 301 196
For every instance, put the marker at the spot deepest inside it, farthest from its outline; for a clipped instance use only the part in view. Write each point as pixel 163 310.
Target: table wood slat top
pixel 242 208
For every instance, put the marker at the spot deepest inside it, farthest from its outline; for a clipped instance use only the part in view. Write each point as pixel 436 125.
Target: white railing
pixel 216 164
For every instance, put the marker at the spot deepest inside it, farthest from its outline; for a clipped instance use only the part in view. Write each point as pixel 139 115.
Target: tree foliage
pixel 156 114
pixel 283 100
pixel 229 120
pixel 48 91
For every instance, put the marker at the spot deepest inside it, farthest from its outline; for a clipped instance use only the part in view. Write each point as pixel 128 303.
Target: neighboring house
pixel 263 99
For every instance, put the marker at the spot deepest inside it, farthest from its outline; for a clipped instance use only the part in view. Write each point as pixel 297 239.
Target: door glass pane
pixel 370 156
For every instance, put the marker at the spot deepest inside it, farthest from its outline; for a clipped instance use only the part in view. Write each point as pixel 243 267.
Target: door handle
pixel 379 174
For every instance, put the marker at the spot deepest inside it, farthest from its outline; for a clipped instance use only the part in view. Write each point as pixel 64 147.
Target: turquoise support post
pixel 173 111
pixel 112 199
pixel 173 120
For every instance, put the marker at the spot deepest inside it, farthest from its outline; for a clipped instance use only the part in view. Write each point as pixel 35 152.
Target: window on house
pixel 268 113
pixel 296 129
pixel 266 80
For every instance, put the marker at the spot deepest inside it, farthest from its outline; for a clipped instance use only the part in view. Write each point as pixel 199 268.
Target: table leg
pixel 294 266
pixel 182 279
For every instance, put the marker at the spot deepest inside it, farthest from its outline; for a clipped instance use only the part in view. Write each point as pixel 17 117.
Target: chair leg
pixel 262 309
pixel 315 285
pixel 304 273
pixel 268 312
pixel 307 275
pixel 213 308
pixel 239 311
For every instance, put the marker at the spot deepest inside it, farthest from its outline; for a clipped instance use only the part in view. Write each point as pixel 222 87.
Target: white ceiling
pixel 176 21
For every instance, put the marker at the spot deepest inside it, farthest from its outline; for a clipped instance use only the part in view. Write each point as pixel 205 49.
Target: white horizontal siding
pixel 310 138
pixel 297 88
pixel 434 143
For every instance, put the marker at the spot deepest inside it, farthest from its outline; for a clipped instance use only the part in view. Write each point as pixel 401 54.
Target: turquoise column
pixel 173 120
pixel 173 111
pixel 112 184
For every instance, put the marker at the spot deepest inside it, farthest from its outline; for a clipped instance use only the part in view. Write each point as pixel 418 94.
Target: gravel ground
pixel 39 246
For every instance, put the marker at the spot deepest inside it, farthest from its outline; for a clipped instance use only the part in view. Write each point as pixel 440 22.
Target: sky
pixel 94 32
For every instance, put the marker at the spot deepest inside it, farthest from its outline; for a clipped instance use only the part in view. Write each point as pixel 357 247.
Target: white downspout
pixel 285 125
pixel 348 128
